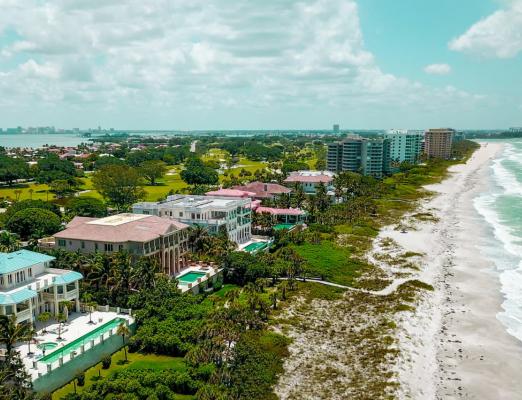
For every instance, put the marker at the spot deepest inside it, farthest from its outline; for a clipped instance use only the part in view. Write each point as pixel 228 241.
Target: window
pixel 10 279
pixel 61 242
pixel 96 246
pixel 180 214
pixel 120 247
pixel 30 270
pixel 108 247
pixel 145 212
pixel 83 245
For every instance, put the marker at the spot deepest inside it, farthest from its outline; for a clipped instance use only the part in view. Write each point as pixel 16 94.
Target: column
pixel 77 300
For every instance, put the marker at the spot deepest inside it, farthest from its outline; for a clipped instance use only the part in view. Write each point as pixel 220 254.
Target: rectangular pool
pixel 76 344
pixel 256 246
pixel 191 277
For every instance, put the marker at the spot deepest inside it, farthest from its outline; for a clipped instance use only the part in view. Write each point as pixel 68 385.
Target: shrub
pixel 106 362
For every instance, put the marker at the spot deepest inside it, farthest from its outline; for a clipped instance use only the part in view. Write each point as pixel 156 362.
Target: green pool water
pixel 75 344
pixel 191 277
pixel 255 246
pixel 47 346
pixel 280 227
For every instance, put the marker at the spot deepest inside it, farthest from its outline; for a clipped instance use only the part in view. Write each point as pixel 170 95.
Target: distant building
pixel 310 180
pixel 516 129
pixel 139 235
pixel 438 143
pixel 231 214
pixel 362 155
pixel 29 286
pixel 336 128
pixel 405 145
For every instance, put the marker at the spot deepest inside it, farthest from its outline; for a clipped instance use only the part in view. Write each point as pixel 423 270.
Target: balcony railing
pixel 23 315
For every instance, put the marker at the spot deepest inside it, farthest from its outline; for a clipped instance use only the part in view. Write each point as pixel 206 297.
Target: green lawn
pixel 332 262
pixel 136 361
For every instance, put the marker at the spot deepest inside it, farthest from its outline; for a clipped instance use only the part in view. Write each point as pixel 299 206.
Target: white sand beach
pixel 453 346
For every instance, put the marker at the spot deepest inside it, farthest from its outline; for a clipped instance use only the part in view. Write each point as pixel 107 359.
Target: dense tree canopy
pixel 12 169
pixel 197 173
pixel 120 185
pixel 152 170
pixel 34 222
pixel 85 206
pixel 51 168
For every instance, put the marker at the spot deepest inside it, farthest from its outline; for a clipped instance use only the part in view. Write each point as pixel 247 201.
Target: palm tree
pixel 273 299
pixel 60 318
pixel 30 334
pixel 143 274
pixel 102 271
pixel 283 286
pixel 89 302
pixel 198 235
pixel 123 330
pixel 232 296
pixel 11 332
pixel 9 242
pixel 44 318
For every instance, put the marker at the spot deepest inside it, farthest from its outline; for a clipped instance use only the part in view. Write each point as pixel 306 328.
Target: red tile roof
pixel 119 228
pixel 264 190
pixel 230 193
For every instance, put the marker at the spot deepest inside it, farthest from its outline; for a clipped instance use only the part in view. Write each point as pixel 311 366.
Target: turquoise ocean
pixel 501 210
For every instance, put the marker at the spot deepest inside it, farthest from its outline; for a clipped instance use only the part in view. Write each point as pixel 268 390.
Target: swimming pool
pixel 191 277
pixel 47 346
pixel 256 246
pixel 75 344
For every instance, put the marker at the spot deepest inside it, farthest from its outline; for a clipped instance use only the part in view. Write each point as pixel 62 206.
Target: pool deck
pixel 210 275
pixel 76 327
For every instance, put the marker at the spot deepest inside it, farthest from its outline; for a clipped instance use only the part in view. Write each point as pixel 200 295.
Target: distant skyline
pixel 279 64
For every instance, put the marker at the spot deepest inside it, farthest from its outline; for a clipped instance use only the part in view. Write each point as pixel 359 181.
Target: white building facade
pixel 405 145
pixel 29 286
pixel 216 214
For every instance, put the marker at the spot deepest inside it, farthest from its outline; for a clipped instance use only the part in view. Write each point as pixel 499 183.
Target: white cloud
pixel 437 69
pixel 201 54
pixel 498 35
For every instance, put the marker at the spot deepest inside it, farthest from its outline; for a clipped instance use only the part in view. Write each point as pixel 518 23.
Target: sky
pixel 270 64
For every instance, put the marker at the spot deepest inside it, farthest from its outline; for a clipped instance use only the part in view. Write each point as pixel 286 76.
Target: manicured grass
pixel 39 192
pixel 136 361
pixel 331 262
pixel 224 290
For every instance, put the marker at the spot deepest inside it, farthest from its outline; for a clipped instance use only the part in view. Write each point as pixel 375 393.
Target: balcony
pixel 23 315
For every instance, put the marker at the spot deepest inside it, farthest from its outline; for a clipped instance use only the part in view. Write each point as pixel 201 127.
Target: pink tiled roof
pixel 144 229
pixel 280 211
pixel 309 179
pixel 259 189
pixel 230 193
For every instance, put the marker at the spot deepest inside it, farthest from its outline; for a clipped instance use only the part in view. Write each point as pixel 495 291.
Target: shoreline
pixel 454 346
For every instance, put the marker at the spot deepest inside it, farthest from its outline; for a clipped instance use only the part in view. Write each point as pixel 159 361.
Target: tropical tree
pixel 273 298
pixel 30 334
pixel 123 331
pixel 85 206
pixel 30 220
pixel 60 318
pixel 151 170
pixel 143 274
pixel 90 304
pixel 44 318
pixel 198 236
pixel 120 185
pixel 8 242
pixel 102 271
pixel 11 332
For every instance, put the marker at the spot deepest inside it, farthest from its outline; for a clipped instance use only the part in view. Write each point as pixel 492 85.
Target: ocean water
pixel 36 141
pixel 501 208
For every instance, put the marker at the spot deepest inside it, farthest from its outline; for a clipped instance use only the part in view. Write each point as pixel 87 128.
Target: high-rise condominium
pixel 438 143
pixel 405 145
pixel 356 154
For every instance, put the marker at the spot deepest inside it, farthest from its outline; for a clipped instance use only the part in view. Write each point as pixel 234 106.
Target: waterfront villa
pixel 138 234
pixel 29 286
pixel 263 191
pixel 285 218
pixel 228 214
pixel 310 181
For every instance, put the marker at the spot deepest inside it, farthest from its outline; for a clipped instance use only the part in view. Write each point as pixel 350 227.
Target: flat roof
pixel 201 202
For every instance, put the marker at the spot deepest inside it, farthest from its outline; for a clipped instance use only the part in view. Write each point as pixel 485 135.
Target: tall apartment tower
pixel 336 128
pixel 405 145
pixel 437 143
pixel 356 154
